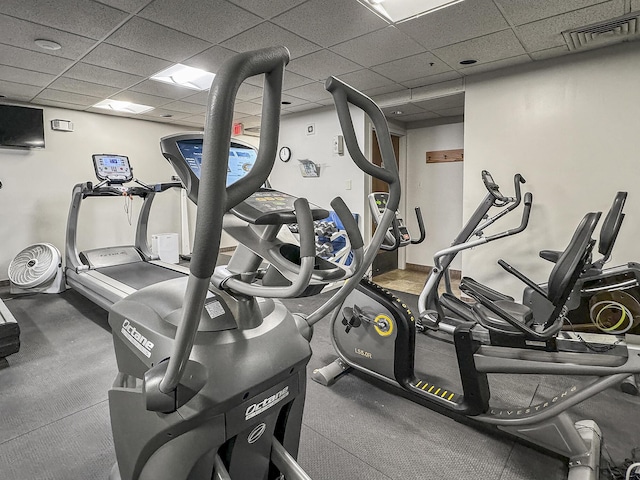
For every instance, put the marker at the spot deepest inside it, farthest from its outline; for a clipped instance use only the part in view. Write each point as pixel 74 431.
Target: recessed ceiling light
pixel 468 62
pixel 47 44
pixel 186 77
pixel 397 11
pixel 120 106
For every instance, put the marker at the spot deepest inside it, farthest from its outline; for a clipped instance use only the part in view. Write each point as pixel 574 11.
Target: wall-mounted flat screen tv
pixel 21 127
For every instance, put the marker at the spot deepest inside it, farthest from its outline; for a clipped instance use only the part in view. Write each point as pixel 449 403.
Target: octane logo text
pixel 257 408
pixel 136 338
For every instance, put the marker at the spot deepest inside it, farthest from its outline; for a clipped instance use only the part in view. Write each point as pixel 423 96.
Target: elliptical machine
pixel 211 380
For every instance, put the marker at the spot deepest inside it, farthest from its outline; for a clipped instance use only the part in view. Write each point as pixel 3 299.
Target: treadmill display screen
pixel 114 168
pixel 241 159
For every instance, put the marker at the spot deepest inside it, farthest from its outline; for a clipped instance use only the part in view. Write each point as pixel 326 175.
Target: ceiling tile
pixel 291 80
pixel 301 108
pixel 141 98
pixel 412 67
pixel 313 92
pixel 148 37
pixel 54 103
pixel 365 79
pixel 200 98
pixel 328 22
pixel 432 79
pixel 165 90
pixel 456 23
pixel 105 76
pixel 21 33
pixel 249 92
pixel 519 12
pixel 67 97
pixel 382 90
pixel 406 109
pixel 635 5
pixel 248 108
pixel 414 117
pixel 267 9
pixel 39 62
pixel 18 75
pixel 550 53
pixel 488 48
pixel 184 107
pixel 292 101
pixel 159 112
pixel 84 88
pixel 213 20
pixel 116 58
pixel 126 5
pixel 197 119
pixel 320 65
pixel 211 59
pixel 545 34
pixel 441 103
pixel 378 47
pixel 450 112
pixel 17 91
pixel 269 34
pixel 485 67
pixel 89 19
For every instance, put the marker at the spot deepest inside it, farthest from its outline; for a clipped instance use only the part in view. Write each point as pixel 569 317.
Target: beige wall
pixel 570 126
pixel 37 184
pixel 436 188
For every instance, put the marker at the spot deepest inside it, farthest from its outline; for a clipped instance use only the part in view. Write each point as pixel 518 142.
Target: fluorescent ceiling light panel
pixel 125 107
pixel 398 11
pixel 186 77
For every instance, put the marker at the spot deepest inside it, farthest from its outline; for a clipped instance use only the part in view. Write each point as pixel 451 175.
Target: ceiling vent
pixel 621 29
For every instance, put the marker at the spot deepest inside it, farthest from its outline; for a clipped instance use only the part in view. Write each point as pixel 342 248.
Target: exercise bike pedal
pixel 328 374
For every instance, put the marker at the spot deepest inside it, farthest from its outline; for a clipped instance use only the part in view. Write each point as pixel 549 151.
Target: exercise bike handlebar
pixel 344 94
pixel 499 200
pixel 396 237
pixel 526 212
pixel 214 198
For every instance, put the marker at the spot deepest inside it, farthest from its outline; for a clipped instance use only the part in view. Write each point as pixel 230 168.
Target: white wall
pixel 436 188
pixel 570 126
pixel 37 184
pixel 335 171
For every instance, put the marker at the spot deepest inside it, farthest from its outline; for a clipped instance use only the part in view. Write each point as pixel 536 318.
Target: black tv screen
pixel 21 127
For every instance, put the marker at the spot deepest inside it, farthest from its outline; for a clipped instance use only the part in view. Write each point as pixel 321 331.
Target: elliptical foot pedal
pixel 327 375
pixel 428 321
pixel 630 386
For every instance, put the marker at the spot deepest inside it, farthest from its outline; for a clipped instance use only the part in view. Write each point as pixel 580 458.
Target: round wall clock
pixel 285 154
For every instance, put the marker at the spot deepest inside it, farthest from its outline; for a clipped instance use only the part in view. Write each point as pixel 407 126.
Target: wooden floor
pixel 410 281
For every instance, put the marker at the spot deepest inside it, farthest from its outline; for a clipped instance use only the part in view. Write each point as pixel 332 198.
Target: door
pixel 385 261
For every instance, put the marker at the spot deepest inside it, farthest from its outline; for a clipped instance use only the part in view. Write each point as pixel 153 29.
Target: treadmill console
pixel 271 207
pixel 114 169
pixel 378 203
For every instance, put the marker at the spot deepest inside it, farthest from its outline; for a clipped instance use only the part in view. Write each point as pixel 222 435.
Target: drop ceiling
pixel 110 48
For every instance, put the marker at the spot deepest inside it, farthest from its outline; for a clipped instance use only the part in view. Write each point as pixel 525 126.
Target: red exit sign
pixel 238 129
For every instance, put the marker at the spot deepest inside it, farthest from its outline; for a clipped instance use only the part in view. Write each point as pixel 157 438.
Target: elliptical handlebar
pixel 396 237
pixel 343 94
pixel 423 232
pixel 213 193
pixel 307 261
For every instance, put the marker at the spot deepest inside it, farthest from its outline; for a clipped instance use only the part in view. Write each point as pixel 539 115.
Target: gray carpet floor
pixel 54 420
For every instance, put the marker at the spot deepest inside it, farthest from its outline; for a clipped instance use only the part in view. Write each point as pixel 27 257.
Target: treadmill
pixel 109 274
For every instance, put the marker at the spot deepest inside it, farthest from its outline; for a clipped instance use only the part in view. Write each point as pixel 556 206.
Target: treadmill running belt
pixel 139 274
